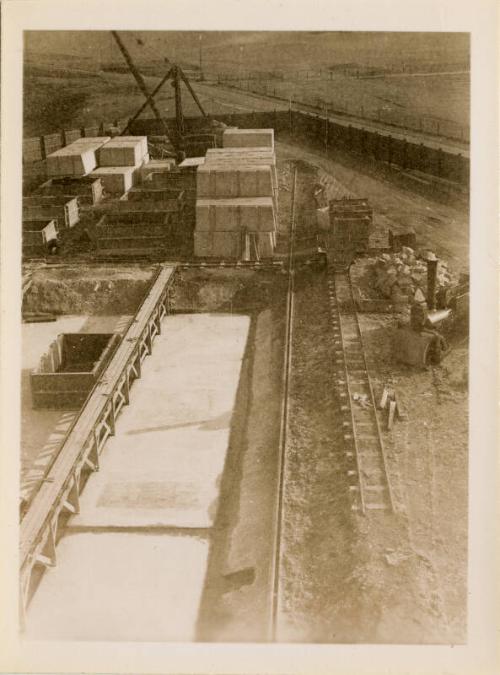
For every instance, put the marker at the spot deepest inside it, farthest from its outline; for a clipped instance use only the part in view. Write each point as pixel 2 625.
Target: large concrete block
pixel 255 214
pixel 143 140
pixel 232 138
pixel 117 179
pixel 123 151
pixel 77 159
pixel 227 182
pixel 238 153
pixel 217 244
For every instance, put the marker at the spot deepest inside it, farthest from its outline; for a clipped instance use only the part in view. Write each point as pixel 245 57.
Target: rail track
pixel 369 481
pixel 286 376
pixel 367 475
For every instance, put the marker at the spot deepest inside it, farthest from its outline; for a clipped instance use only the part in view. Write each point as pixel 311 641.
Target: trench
pixel 175 497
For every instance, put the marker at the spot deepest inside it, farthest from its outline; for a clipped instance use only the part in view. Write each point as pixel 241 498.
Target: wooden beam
pixel 141 84
pixel 149 98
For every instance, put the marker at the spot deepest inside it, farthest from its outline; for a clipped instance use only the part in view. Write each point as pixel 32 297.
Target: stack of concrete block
pixel 117 162
pixel 77 159
pixel 236 207
pixel 120 162
pixel 223 224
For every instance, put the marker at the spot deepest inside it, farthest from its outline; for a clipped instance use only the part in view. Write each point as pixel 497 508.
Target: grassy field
pixel 67 81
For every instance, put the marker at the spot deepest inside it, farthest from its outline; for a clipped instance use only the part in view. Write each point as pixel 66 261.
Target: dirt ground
pixel 381 578
pixel 442 227
pixel 393 578
pixel 87 289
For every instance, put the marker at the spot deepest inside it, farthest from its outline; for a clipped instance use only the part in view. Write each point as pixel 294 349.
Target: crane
pixel 176 75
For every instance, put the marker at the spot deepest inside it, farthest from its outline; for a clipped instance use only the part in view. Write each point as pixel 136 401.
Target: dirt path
pixel 441 227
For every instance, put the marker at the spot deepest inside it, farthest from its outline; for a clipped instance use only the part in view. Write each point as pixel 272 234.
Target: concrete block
pixel 77 159
pixel 155 166
pixel 238 153
pixel 120 152
pixel 117 179
pixel 232 138
pixel 192 163
pixel 143 140
pixel 217 244
pixel 226 182
pixel 255 214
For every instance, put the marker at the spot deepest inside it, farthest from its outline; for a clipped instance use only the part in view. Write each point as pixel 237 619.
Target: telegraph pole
pixel 202 77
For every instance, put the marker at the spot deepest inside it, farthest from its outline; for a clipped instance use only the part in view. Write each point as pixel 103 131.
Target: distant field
pixel 68 81
pixel 443 96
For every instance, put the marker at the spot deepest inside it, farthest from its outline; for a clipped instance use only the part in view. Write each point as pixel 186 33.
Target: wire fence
pixel 335 105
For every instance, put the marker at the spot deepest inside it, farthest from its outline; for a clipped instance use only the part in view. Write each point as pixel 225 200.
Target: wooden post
pixel 326 130
pixel 112 416
pixel 405 154
pixel 126 386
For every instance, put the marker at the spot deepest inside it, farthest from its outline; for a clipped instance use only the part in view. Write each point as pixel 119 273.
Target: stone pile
pixel 399 275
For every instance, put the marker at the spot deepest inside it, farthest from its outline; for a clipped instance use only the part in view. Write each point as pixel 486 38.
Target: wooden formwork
pixel 86 438
pixel 69 369
pixel 63 208
pixel 88 190
pixel 38 235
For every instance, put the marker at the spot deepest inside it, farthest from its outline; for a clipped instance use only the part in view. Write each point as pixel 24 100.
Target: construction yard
pixel 259 441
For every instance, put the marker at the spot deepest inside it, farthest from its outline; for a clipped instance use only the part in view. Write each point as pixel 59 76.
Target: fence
pixel 347 69
pixel 322 132
pixel 403 120
pixel 330 135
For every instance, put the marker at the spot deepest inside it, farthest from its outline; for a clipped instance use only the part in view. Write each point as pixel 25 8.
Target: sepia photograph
pixel 244 358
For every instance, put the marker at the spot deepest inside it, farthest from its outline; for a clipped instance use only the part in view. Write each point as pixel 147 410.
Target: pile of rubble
pixel 399 275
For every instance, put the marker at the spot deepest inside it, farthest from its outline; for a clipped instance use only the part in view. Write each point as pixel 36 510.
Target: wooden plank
pixel 47 497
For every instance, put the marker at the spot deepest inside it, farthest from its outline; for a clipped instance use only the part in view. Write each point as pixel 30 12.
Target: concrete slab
pixel 120 586
pixel 162 468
